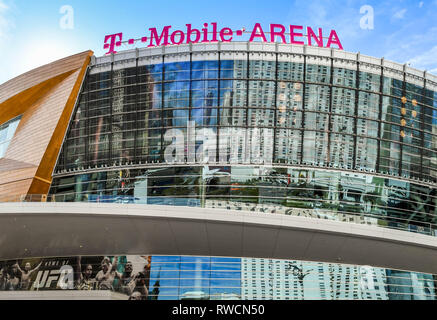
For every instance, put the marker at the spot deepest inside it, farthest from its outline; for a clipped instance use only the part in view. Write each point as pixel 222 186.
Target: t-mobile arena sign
pixel 292 34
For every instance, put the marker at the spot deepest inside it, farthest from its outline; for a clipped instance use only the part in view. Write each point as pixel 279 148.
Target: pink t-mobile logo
pixel 112 38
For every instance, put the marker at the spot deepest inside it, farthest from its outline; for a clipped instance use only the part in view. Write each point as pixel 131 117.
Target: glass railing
pixel 372 218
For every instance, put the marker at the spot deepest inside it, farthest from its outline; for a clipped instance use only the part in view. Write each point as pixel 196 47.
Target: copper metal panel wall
pixel 36 76
pixel 45 99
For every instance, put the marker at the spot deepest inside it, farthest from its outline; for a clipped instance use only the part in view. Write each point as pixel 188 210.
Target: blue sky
pixel 30 32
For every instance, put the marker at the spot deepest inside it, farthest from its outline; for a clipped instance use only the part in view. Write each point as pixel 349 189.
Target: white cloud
pixel 3 6
pixel 328 14
pixel 6 22
pixel 36 52
pixel 400 14
pixel 420 4
pixel 401 46
pixel 426 60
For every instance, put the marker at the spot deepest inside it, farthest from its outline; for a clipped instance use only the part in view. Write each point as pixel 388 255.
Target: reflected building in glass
pixel 341 137
pixel 279 129
pixel 296 280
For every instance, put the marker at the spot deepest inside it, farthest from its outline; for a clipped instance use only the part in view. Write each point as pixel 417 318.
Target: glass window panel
pixel 177 71
pixel 367 128
pixel 204 116
pixel 226 69
pixel 292 71
pixel 342 150
pixel 391 110
pixel 344 77
pixel 317 98
pixel 368 105
pixel 236 69
pixel 262 94
pixel 261 117
pixel 343 101
pixel 233 116
pixel 342 124
pixel 224 262
pixel 370 81
pixel 429 165
pixel 205 69
pixel 261 69
pixel 366 153
pixel 150 73
pixel 389 157
pixel 317 73
pixel 315 147
pixel 176 94
pixel 7 131
pixel 316 121
pixel 390 132
pixel 289 118
pixel 411 161
pixel 413 137
pixel 233 93
pixel 288 145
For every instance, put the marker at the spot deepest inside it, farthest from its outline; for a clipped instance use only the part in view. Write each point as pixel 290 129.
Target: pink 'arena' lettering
pixel 212 33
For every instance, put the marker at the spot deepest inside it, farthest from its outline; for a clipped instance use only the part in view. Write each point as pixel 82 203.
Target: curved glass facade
pixel 342 196
pixel 215 278
pixel 298 134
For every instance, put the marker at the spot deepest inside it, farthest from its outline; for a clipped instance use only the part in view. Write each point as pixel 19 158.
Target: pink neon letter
pixel 333 38
pixel 295 34
pixel 226 32
pixel 311 34
pixel 181 37
pixel 256 34
pixel 205 33
pixel 190 32
pixel 214 32
pixel 112 42
pixel 154 35
pixel 274 34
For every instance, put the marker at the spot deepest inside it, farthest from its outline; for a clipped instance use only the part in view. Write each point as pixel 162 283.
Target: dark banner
pixel 127 275
pixel 188 278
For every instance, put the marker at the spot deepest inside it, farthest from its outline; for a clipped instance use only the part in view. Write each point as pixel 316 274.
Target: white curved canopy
pixel 69 229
